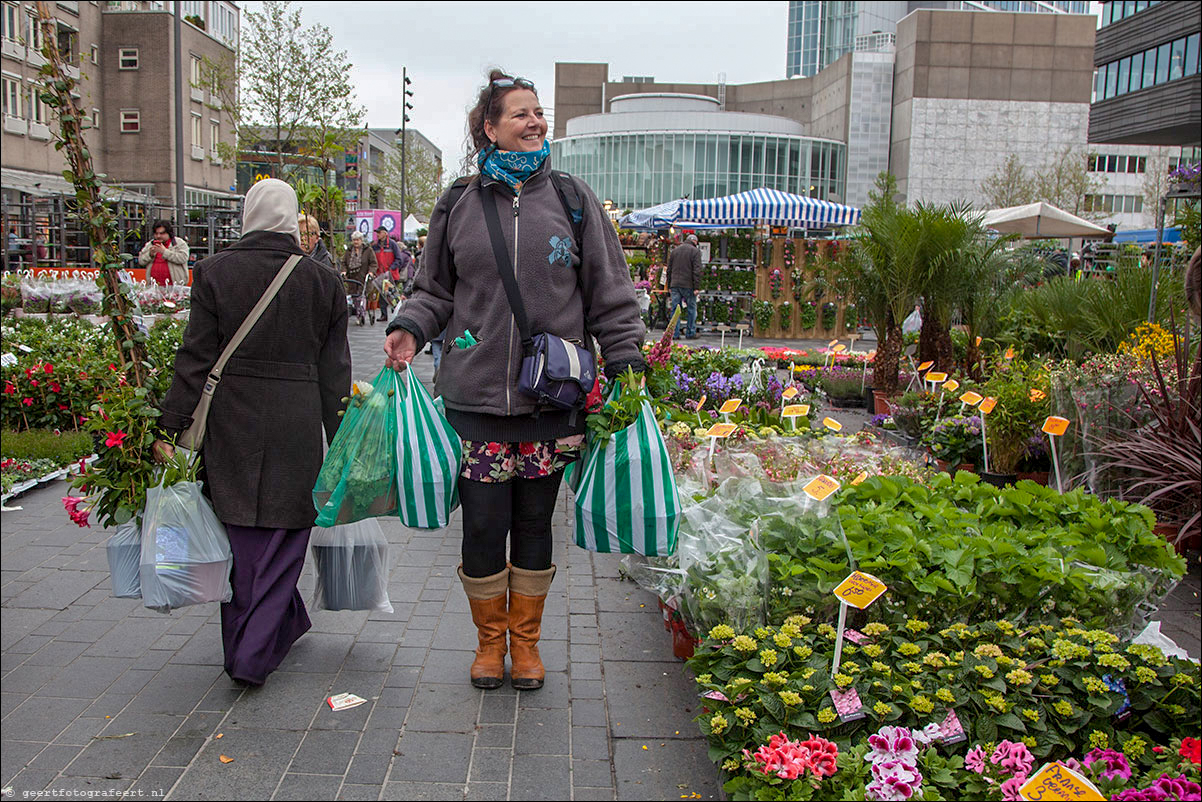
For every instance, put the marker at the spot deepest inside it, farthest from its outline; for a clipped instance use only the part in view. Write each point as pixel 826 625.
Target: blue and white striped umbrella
pixel 766 206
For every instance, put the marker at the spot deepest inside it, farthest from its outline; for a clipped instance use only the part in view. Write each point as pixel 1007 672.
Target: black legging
pixel 520 508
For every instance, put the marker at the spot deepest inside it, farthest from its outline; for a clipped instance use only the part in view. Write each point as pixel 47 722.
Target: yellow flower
pixel 1005 627
pixel 1063 707
pixel 880 667
pixel 1116 661
pixel 946 696
pixel 1030 714
pixel 797 621
pixel 997 702
pixel 1036 643
pixel 1049 680
pixel 1149 654
pixel 762 632
pixel 1029 741
pixel 916 685
pixel 1068 650
pixel 739 682
pixel 1005 661
pixel 827 631
pixel 912 668
pixel 1019 677
pixel 882 709
pixel 874 628
pixel 718 724
pixel 807 688
pixel 909 649
pixel 850 667
pixel 843 680
pixel 984 671
pixel 1094 685
pixel 1099 740
pixel 809 672
pixel 916 626
pixel 1135 746
pixel 1144 675
pixel 873 650
pixel 897 689
pixel 935 659
pixel 921 704
pixel 745 716
pixel 850 649
pixel 826 715
pixel 705 679
pixel 803 652
pixel 730 765
pixel 782 640
pixel 791 698
pixel 773 678
pixel 1183 679
pixel 791 630
pixel 722 632
pixel 768 657
pixel 988 650
pixel 742 643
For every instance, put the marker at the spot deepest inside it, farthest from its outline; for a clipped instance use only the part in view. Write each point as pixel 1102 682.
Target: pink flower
pixel 115 438
pixel 1013 757
pixel 1177 787
pixel 893 781
pixel 892 743
pixel 975 759
pixel 78 516
pixel 1116 763
pixel 823 755
pixel 1011 786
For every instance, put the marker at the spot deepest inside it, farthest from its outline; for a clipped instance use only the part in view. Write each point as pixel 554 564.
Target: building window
pixel 41 113
pixel 95 54
pixel 196 131
pixel 1170 61
pixel 12 98
pixel 131 121
pixel 195 70
pixel 33 35
pixel 127 58
pixel 10 29
pixel 214 137
pixel 96 119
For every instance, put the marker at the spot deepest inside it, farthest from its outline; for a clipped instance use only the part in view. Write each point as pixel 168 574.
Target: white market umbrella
pixel 1041 221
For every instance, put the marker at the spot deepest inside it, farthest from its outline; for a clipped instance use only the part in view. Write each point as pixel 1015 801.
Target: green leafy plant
pixel 807 315
pixel 1021 391
pixel 955 440
pixel 784 313
pixel 830 313
pixel 620 411
pixel 763 313
pixel 36 444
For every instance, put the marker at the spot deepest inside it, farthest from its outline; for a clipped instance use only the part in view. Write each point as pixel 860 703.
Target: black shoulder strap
pixel 453 195
pixel 569 196
pixel 505 268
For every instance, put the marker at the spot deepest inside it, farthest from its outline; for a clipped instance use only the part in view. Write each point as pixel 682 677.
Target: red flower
pixel 27 402
pixel 33 382
pixel 493 448
pixel 9 388
pixel 62 406
pixel 1191 750
pixel 526 449
pixel 113 367
pixel 824 755
pixel 592 403
pixel 115 438
pixel 28 372
pixel 48 368
pixel 80 516
pixel 55 387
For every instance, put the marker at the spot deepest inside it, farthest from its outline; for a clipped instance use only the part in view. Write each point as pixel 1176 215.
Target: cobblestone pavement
pixel 100 694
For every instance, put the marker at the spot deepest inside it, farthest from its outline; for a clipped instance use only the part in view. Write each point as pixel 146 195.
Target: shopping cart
pixel 356 302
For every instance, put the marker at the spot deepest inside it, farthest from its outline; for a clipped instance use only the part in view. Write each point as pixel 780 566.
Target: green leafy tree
pixel 1009 185
pixel 423 181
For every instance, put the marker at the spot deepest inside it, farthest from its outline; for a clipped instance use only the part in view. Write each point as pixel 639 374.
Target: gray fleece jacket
pixel 570 289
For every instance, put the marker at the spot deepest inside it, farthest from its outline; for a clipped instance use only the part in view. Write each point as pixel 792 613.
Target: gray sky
pixel 448 46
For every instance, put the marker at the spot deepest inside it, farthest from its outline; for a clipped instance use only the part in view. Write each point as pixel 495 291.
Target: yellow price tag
pixel 1055 426
pixel 987 405
pixel 1056 781
pixel 832 343
pixel 937 378
pixel 730 406
pixel 840 348
pixel 795 411
pixel 832 424
pixel 863 475
pixel 871 355
pixel 971 398
pixel 701 403
pixel 721 430
pixel 978 342
pixel 821 487
pixel 1037 395
pixel 860 590
pixel 951 386
pixel 789 393
pixel 925 366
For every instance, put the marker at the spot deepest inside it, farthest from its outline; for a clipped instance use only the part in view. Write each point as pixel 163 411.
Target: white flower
pixel 928 734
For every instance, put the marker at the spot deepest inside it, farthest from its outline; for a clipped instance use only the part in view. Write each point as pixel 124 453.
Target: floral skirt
pixel 500 462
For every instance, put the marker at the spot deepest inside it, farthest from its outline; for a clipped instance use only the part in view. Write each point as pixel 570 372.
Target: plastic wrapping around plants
pixel 427 459
pixel 83 297
pixel 124 549
pixel 352 567
pixel 186 555
pixel 36 296
pixel 358 478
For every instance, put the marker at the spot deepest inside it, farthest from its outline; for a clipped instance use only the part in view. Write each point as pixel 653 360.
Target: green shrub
pixel 34 444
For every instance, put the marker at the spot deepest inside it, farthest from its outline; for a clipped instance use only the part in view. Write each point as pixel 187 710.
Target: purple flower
pixel 1015 758
pixel 1140 795
pixel 1177 787
pixel 893 780
pixel 1116 763
pixel 1010 788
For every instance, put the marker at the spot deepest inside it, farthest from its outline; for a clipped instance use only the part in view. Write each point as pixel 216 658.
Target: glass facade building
pixel 640 169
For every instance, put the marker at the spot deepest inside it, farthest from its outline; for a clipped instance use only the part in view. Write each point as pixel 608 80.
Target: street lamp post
pixel 406 93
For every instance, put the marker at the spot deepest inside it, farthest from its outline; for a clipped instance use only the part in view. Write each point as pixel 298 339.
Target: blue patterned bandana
pixel 512 166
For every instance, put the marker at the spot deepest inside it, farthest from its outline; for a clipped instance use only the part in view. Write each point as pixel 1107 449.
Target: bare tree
pixel 1009 185
pixel 1064 181
pixel 423 181
pixel 1156 184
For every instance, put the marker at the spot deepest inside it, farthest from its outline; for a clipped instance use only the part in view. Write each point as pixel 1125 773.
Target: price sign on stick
pixel 859 590
pixel 821 487
pixel 925 366
pixel 936 378
pixel 840 348
pixel 951 386
pixel 730 406
pixel 721 430
pixel 1037 395
pixel 795 411
pixel 832 343
pixel 789 394
pixel 1056 781
pixel 971 399
pixel 1055 427
pixel 700 405
pixel 859 479
pixel 987 405
pixel 832 424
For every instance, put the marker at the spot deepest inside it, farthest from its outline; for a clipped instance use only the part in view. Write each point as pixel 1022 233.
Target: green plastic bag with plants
pixel 358 479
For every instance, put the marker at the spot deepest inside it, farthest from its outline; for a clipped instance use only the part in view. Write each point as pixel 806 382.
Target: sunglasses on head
pixel 506 83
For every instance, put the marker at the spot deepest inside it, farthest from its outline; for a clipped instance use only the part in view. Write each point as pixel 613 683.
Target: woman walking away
pixel 573 281
pixel 263 447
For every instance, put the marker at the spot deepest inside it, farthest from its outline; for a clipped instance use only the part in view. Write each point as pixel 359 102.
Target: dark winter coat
pixel 263 447
pixel 684 267
pixel 359 268
pixel 573 290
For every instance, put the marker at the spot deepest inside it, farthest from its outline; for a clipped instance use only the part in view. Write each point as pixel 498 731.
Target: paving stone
pixel 29 781
pixel 585 670
pixel 360 792
pixel 369 769
pixel 124 757
pixel 89 787
pixel 86 677
pixel 377 741
pixel 541 777
pixel 495 735
pixel 485 791
pixel 58 590
pixel 403 676
pixel 288 701
pixel 593 773
pixel 446 666
pixel 433 757
pixel 155 782
pixel 366 657
pixel 382 632
pixel 178 752
pixel 406 790
pixel 325 753
pixel 498 709
pixel 202 649
pixel 618 640
pixel 41 719
pixel 175 689
pixel 588 713
pixel 555 693
pixel 55 653
pixel 9 702
pixel 15 755
pixel 54 758
pixel 395 697
pixel 490 765
pixel 26 679
pixel 590 743
pixel 583 793
pixel 680 768
pixel 443 708
pixel 261 758
pixel 629 684
pixel 308 786
pixel 30 644
pixel 410 656
pixel 220 699
pixel 81 730
pixel 541 732
pixel 317 653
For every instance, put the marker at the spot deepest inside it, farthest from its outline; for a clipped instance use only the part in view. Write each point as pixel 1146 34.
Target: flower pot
pixel 1038 477
pixel 683 643
pixel 880 403
pixel 848 402
pixel 124 550
pixel 998 479
pixel 946 467
pixel 1172 533
pixel 348 576
pixel 167 586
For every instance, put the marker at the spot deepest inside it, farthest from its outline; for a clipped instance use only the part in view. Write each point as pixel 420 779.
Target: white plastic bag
pixel 351 561
pixel 186 556
pixel 124 551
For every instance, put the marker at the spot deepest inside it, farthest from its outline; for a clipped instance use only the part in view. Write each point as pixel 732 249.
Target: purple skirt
pixel 267 614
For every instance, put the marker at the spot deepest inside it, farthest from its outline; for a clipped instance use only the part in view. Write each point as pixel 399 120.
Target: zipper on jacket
pixel 512 319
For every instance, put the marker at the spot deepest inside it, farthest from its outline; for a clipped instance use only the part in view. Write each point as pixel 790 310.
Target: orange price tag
pixel 925 366
pixel 1010 352
pixel 951 386
pixel 860 590
pixel 987 405
pixel 1037 394
pixel 789 393
pixel 871 355
pixel 937 378
pixel 1055 426
pixel 730 406
pixel 721 430
pixel 701 402
pixel 1056 781
pixel 832 343
pixel 832 424
pixel 838 349
pixel 795 411
pixel 978 342
pixel 971 398
pixel 863 475
pixel 821 487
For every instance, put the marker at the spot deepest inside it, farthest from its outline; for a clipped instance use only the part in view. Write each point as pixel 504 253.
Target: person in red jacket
pixel 390 261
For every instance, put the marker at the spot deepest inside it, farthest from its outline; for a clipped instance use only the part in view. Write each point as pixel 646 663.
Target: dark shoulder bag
pixel 554 371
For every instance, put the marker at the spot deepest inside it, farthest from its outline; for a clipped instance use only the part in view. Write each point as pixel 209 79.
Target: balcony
pixel 198 94
pixel 15 125
pixel 39 131
pixel 12 49
pixel 215 158
pixel 71 71
pixel 198 153
pixel 33 58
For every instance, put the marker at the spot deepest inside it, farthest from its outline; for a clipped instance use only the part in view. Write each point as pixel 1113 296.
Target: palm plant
pixel 989 273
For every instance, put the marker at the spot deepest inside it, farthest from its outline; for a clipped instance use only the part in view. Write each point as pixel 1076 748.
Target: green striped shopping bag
pixel 428 457
pixel 626 497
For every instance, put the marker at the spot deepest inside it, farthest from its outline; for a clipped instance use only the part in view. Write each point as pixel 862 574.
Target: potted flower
pixel 807 315
pixel 1018 413
pixel 784 313
pixel 955 442
pixel 830 314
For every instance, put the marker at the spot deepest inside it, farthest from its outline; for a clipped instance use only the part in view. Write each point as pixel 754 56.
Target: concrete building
pixel 123 54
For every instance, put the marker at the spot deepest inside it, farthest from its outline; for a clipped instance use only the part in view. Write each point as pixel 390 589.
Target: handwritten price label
pixel 795 411
pixel 1055 426
pixel 789 393
pixel 971 398
pixel 1056 781
pixel 832 424
pixel 978 342
pixel 925 366
pixel 937 378
pixel 860 590
pixel 863 475
pixel 721 430
pixel 730 406
pixel 987 405
pixel 832 343
pixel 951 386
pixel 821 487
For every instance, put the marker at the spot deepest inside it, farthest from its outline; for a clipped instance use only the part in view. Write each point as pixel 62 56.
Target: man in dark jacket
pixel 684 278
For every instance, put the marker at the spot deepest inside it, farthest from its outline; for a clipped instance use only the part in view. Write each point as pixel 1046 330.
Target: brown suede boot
pixel 527 593
pixel 486 596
